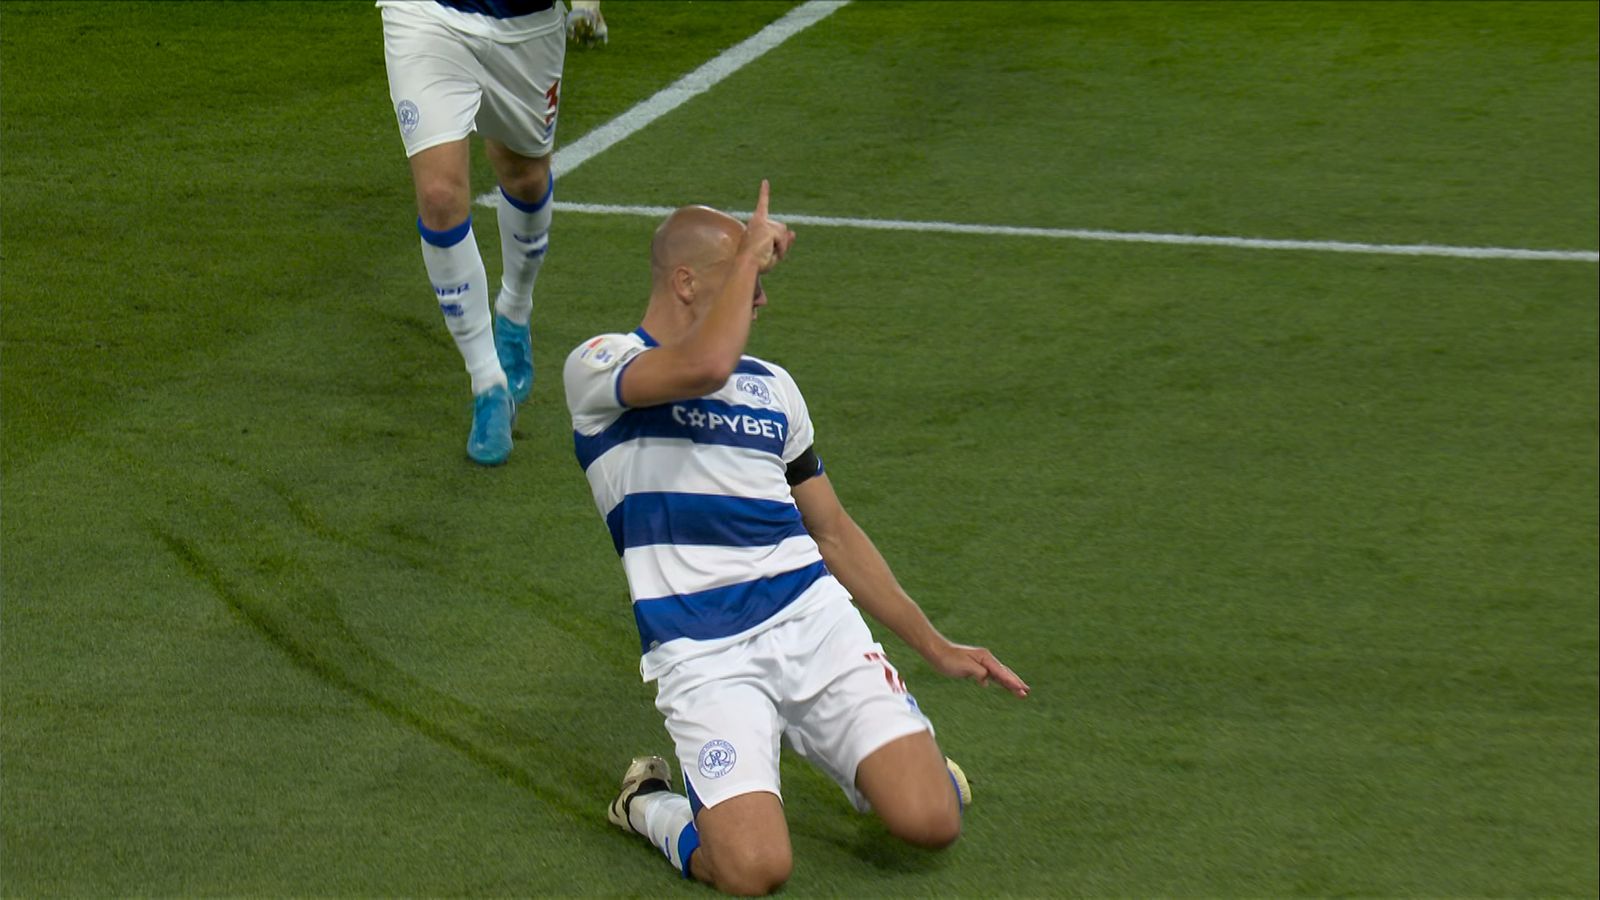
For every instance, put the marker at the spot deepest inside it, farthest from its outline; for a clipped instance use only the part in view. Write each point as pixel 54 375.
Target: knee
pixel 932 826
pixel 528 183
pixel 442 204
pixel 528 186
pixel 935 833
pixel 752 872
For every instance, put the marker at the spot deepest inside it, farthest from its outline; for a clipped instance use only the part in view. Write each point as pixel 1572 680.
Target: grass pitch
pixel 1297 550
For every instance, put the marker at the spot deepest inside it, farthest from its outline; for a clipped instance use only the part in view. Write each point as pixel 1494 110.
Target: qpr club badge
pixel 409 116
pixel 754 388
pixel 717 759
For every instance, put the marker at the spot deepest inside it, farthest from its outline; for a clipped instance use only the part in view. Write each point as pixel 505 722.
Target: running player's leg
pixel 527 189
pixel 439 175
pixel 434 85
pixel 522 94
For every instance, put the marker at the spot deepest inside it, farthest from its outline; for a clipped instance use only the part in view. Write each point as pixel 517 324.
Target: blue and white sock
pixel 524 238
pixel 456 269
pixel 666 821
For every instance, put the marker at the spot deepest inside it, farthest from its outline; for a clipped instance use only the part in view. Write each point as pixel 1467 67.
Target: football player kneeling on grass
pixel 742 565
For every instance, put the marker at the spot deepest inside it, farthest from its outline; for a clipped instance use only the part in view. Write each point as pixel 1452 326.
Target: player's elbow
pixel 821 523
pixel 831 527
pixel 827 539
pixel 834 530
pixel 709 372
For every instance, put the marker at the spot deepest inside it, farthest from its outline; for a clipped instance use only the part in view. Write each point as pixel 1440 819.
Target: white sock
pixel 666 821
pixel 524 238
pixel 456 269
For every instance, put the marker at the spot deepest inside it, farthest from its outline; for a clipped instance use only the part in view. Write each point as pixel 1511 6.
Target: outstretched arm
pixel 854 560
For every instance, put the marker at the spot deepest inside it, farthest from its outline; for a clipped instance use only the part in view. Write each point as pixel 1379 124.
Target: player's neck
pixel 667 323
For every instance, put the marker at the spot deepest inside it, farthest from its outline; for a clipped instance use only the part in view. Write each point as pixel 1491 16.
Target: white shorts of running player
pixel 818 681
pixel 446 82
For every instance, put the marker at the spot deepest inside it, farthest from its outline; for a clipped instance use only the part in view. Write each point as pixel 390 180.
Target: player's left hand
pixel 977 663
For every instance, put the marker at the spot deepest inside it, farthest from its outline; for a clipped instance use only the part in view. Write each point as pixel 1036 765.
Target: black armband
pixel 805 466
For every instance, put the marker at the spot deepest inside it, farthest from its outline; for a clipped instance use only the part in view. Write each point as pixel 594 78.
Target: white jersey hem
pixel 657 662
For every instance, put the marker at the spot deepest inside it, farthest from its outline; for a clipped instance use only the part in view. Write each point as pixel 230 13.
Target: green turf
pixel 1299 551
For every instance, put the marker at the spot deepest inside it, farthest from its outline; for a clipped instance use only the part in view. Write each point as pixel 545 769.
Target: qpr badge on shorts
pixel 409 116
pixel 717 759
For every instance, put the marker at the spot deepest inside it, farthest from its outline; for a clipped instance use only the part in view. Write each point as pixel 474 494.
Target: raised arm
pixel 854 560
pixel 702 250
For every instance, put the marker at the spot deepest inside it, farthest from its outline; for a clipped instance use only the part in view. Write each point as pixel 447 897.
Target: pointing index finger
pixel 761 201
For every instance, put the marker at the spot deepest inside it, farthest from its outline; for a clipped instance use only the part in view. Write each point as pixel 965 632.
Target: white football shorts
pixel 818 680
pixel 447 82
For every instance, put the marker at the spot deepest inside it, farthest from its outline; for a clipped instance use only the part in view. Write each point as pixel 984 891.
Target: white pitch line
pixel 807 14
pixel 1129 237
pixel 669 98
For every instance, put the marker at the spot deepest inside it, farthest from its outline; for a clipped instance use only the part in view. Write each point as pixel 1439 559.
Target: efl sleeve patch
pixel 589 377
pixel 606 351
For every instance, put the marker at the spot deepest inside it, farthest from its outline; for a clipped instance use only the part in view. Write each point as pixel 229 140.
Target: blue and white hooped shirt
pixel 696 496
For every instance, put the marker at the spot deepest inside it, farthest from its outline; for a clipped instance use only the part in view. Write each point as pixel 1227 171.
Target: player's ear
pixel 683 284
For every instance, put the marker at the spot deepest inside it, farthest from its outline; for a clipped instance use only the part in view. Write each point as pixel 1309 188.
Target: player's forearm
pixel 719 339
pixel 855 561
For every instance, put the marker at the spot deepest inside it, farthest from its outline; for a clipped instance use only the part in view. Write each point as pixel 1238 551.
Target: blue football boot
pixel 513 343
pixel 490 441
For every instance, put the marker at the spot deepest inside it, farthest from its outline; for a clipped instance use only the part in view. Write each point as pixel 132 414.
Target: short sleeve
pixel 591 377
pixel 801 435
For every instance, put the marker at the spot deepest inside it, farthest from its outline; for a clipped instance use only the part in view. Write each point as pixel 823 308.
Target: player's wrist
pixel 929 643
pixel 746 264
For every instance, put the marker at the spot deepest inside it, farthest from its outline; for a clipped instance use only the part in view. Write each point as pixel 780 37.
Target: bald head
pixel 693 236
